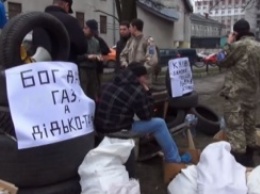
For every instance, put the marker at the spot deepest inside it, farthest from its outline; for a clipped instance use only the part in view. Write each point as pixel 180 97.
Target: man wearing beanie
pixel 240 88
pixel 89 61
pixel 129 95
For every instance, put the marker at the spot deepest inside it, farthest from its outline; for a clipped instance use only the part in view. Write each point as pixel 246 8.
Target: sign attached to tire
pixel 47 103
pixel 180 77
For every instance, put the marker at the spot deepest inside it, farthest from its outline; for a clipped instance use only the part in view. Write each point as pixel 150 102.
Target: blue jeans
pixel 158 128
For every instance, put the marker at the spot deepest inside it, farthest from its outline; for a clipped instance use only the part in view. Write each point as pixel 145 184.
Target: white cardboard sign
pixel 181 77
pixel 47 103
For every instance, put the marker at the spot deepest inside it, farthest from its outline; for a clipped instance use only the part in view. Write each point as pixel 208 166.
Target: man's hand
pixel 232 37
pixel 99 58
pixel 92 57
pixel 124 64
pixel 145 86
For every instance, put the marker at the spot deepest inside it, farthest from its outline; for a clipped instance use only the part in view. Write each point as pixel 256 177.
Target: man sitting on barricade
pixel 128 95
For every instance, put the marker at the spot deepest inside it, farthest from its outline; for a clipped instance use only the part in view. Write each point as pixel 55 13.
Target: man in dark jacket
pixel 104 49
pixel 61 9
pixel 129 95
pixel 89 61
pixel 120 45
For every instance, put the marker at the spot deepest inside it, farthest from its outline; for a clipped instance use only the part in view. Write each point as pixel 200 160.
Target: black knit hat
pixel 70 5
pixel 241 26
pixel 138 69
pixel 93 25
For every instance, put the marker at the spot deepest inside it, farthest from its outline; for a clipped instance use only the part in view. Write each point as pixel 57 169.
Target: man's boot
pixel 171 170
pixel 245 159
pixel 250 157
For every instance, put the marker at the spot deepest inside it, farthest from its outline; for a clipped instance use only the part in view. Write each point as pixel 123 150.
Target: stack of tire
pixel 51 169
pixel 208 120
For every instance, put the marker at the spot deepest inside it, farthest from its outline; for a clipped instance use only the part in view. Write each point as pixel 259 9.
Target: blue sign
pixel 3 18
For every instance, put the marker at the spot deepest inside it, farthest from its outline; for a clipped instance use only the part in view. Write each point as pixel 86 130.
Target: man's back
pixel 119 101
pixel 76 35
pixel 242 79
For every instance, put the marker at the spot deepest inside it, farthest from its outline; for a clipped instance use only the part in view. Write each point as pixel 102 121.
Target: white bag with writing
pixel 180 76
pixel 103 172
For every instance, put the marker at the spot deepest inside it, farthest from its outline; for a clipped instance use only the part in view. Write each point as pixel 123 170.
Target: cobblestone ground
pixel 150 173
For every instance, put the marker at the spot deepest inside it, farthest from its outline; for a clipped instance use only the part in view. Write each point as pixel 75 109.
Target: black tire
pixel 174 117
pixel 13 34
pixel 208 120
pixel 6 123
pixel 71 186
pixel 18 27
pixel 111 64
pixel 45 165
pixel 185 102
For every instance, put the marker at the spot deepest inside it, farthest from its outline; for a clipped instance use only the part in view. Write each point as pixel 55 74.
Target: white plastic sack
pixel 103 172
pixel 185 182
pixel 253 181
pixel 218 171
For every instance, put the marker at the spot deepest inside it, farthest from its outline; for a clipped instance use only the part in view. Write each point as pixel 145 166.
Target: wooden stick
pixel 12 189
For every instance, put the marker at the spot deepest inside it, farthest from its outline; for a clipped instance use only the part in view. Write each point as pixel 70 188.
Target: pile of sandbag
pixel 217 172
pixel 103 172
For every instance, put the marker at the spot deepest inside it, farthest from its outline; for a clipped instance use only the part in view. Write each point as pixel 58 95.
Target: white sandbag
pixel 102 169
pixel 253 181
pixel 132 187
pixel 218 171
pixel 185 182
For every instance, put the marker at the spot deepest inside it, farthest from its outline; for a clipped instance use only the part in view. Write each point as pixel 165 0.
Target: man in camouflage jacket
pixel 140 49
pixel 240 91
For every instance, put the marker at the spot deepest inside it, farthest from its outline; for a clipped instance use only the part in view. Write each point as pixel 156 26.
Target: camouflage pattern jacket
pixel 243 64
pixel 137 50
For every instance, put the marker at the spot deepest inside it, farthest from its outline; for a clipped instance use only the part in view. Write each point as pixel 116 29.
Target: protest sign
pixel 180 77
pixel 47 103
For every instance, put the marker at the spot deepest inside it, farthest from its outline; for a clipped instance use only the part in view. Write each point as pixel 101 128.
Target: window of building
pixel 223 11
pixel 229 2
pixel 236 2
pixel 216 11
pixel 81 18
pixel 229 11
pixel 103 24
pixel 243 1
pixel 14 9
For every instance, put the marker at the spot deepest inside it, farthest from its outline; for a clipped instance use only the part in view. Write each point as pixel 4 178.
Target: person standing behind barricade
pixel 125 35
pixel 61 9
pixel 88 62
pixel 140 49
pixel 104 49
pixel 242 60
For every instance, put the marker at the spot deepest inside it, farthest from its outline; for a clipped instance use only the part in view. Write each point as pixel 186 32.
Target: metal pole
pixel 114 22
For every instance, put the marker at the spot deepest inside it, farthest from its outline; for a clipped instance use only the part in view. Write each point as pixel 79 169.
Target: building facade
pixel 169 24
pixel 83 10
pixel 225 11
pixel 206 27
